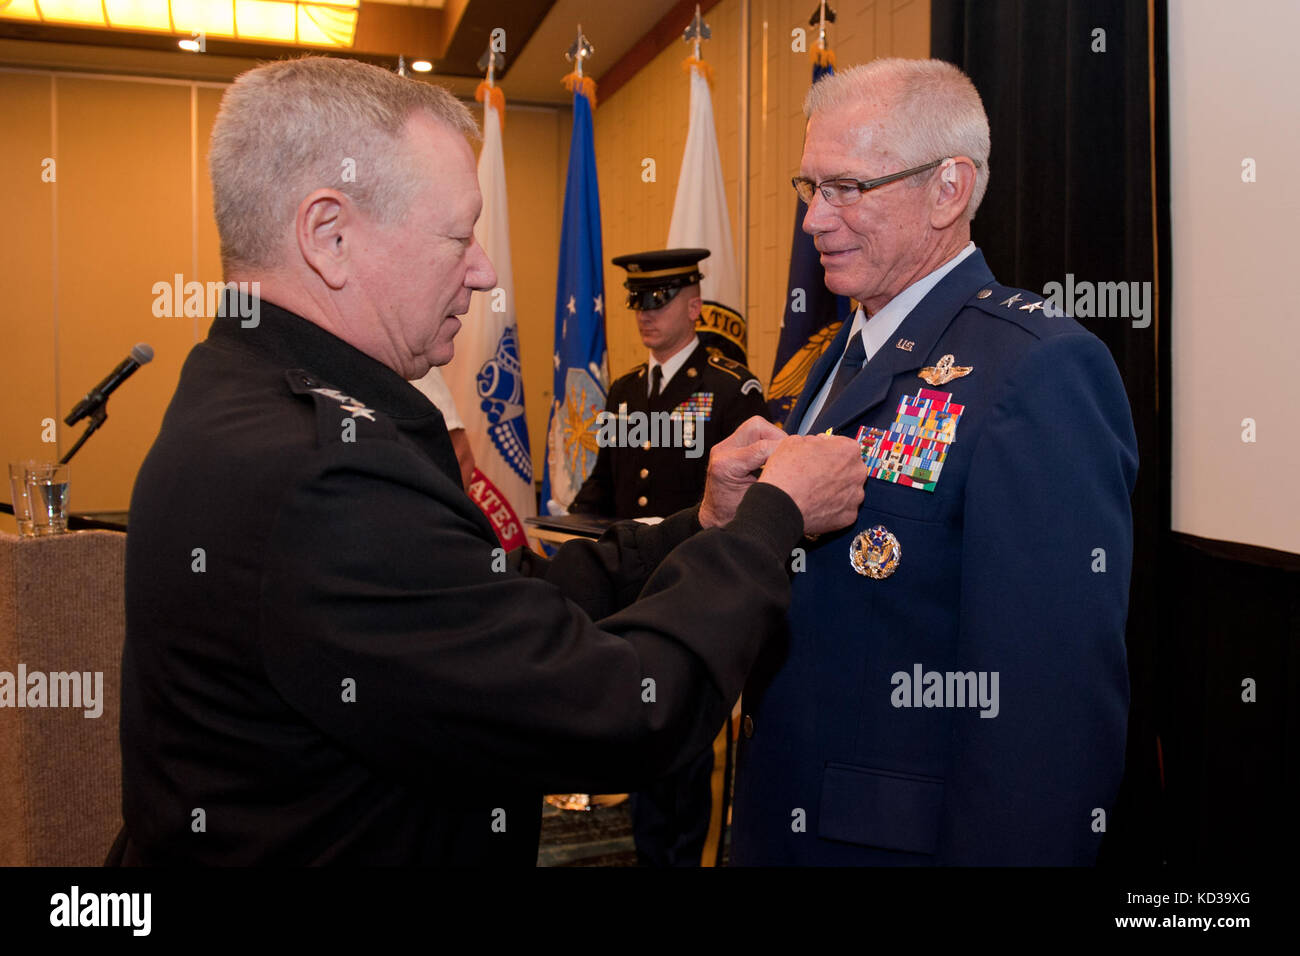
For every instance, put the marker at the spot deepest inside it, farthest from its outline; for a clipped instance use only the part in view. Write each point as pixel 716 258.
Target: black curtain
pixel 1077 187
pixel 1080 169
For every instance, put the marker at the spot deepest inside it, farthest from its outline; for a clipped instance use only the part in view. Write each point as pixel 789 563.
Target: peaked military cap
pixel 654 278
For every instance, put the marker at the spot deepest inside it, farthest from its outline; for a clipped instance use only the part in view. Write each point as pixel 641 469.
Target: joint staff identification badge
pixel 913 450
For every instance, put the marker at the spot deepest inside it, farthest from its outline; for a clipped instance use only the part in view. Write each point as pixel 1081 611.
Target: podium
pixel 61 612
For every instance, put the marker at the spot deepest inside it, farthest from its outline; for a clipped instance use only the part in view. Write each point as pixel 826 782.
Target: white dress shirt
pixel 435 389
pixel 672 366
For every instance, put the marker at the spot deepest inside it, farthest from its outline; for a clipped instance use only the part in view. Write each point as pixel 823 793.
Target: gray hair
pixel 290 127
pixel 934 112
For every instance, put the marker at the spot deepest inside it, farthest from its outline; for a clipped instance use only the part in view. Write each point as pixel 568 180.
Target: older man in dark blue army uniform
pixel 952 688
pixel 710 395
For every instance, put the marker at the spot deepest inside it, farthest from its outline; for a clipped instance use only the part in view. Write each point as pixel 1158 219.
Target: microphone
pixel 142 354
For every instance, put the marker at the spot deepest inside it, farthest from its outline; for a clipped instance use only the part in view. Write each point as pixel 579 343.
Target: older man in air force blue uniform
pixel 952 687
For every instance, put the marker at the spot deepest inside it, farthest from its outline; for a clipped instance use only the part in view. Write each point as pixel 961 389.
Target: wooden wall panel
pixel 27 376
pixel 124 223
pixel 207 264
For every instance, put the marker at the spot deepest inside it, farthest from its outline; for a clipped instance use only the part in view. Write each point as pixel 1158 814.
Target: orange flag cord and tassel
pixel 706 71
pixel 497 97
pixel 821 56
pixel 581 84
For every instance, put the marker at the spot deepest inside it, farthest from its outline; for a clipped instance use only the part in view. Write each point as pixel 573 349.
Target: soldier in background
pixel 684 379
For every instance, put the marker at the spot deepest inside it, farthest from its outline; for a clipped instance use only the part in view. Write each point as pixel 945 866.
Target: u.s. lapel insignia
pixel 875 553
pixel 944 371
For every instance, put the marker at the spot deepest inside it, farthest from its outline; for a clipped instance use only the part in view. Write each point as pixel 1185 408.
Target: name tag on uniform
pixel 913 449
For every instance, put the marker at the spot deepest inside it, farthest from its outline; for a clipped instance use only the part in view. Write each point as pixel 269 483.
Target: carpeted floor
pixel 598 837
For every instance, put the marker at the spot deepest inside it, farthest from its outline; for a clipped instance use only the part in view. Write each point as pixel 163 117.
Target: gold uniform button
pixel 645 472
pixel 984 293
pixel 645 446
pixel 747 725
pixel 643 501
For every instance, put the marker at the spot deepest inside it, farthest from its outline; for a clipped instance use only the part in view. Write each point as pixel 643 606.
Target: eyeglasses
pixel 845 192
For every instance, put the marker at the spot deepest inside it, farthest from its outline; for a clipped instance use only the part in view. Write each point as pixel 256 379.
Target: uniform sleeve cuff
pixel 770 516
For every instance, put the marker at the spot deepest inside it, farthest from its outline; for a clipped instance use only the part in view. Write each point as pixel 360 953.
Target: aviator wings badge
pixel 944 371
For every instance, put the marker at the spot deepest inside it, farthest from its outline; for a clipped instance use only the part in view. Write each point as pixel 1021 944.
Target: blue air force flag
pixel 581 376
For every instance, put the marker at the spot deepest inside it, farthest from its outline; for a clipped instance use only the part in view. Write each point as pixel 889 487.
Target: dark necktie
pixel 850 365
pixel 656 380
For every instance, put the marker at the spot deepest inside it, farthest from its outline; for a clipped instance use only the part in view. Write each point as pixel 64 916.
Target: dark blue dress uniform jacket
pixel 999 572
pixel 476 685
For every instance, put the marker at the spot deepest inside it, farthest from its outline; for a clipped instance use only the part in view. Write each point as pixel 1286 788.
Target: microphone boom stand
pixel 97 418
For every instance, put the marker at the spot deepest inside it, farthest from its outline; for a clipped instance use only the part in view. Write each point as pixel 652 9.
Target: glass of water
pixel 47 495
pixel 18 490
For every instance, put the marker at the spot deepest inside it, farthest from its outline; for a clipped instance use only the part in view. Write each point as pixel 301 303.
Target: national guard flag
pixel 485 376
pixel 812 312
pixel 581 375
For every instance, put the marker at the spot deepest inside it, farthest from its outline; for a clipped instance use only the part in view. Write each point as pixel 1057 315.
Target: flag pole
pixel 578 81
pixel 824 14
pixel 488 91
pixel 694 34
pixel 580 380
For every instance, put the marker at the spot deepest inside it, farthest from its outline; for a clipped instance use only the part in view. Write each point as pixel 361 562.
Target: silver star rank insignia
pixel 360 411
pixel 349 404
pixel 1012 301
